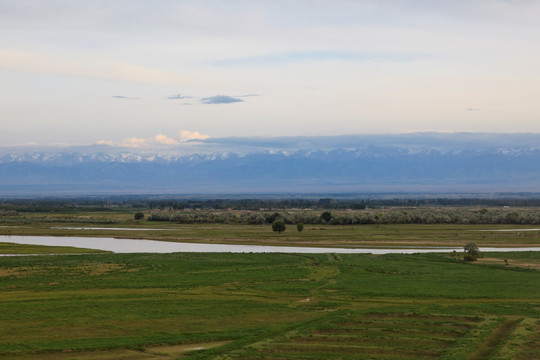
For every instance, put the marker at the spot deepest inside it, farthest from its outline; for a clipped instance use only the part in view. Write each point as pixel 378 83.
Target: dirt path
pixel 494 340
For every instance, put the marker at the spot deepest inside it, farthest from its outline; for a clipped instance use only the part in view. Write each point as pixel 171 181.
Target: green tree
pixel 472 251
pixel 326 216
pixel 139 216
pixel 299 227
pixel 271 218
pixel 279 226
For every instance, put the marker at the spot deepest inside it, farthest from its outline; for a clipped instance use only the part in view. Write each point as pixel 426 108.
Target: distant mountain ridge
pixel 319 164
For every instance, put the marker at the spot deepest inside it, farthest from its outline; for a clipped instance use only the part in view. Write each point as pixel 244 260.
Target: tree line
pixel 351 217
pixel 255 204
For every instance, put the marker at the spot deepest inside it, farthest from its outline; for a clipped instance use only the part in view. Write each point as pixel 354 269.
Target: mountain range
pixel 418 162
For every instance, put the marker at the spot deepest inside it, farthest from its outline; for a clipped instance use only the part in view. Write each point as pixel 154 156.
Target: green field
pixel 18 249
pixel 269 306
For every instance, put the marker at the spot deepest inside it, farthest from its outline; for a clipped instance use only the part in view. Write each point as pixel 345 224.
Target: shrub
pixel 469 257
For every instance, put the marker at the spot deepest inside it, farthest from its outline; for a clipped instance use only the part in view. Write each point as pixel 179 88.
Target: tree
pixel 271 218
pixel 279 226
pixel 299 227
pixel 139 216
pixel 472 251
pixel 326 216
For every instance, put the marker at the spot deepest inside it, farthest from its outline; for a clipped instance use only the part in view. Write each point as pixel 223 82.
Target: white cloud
pixel 157 140
pixel 186 135
pixel 131 142
pixel 165 140
pixel 134 142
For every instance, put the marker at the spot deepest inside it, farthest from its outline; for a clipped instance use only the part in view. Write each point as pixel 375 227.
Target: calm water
pixel 108 228
pixel 152 246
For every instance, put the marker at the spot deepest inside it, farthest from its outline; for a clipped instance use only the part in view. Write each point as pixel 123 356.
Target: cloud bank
pixel 157 140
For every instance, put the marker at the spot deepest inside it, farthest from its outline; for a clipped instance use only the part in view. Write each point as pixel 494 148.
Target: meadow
pixel 269 306
pixel 95 305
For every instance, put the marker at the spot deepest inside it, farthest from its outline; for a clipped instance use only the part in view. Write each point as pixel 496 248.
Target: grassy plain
pixel 269 306
pixel 18 249
pixel 372 235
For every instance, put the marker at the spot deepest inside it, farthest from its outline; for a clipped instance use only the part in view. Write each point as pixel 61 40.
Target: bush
pixel 469 257
pixel 299 227
pixel 139 216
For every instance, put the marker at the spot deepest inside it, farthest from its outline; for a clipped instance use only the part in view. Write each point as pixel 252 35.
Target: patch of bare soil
pixel 510 262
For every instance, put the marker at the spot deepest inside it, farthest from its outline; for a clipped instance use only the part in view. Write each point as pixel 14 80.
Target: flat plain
pixel 270 306
pixel 121 224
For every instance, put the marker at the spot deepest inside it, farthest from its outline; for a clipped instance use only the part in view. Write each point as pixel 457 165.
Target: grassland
pixel 269 306
pixel 372 235
pixel 17 249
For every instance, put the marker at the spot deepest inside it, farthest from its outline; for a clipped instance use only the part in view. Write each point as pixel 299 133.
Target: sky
pixel 136 73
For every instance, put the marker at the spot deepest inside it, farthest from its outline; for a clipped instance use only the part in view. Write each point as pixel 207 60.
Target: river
pixel 152 246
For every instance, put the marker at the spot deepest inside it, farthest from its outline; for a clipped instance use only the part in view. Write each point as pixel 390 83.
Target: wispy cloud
pixel 316 56
pixel 178 97
pixel 124 97
pixel 46 63
pixel 220 99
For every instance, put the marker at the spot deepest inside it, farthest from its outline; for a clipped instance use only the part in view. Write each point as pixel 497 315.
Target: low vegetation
pixel 341 211
pixel 271 306
pixel 18 249
pixel 122 225
pixel 472 252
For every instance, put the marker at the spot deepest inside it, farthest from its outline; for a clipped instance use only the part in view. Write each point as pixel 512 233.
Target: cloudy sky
pixel 138 72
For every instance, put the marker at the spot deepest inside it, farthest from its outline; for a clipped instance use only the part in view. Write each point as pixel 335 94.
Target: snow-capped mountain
pixel 412 162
